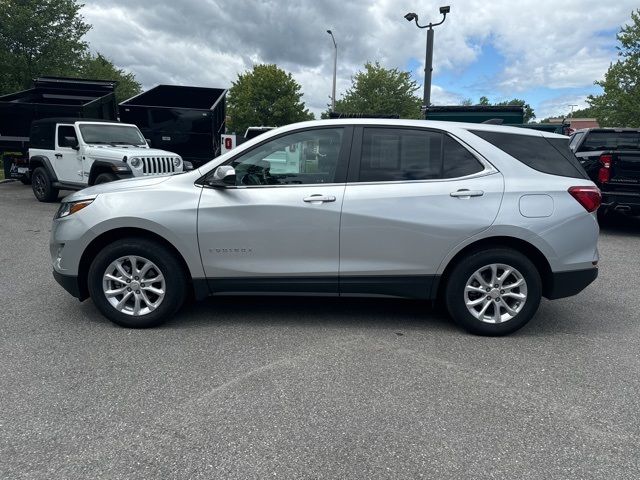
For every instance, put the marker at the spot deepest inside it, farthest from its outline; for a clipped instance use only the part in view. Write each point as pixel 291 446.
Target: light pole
pixel 571 115
pixel 428 64
pixel 335 66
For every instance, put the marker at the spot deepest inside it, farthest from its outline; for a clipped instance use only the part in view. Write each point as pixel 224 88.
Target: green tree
pixel 39 37
pixel 529 114
pixel 378 90
pixel 619 104
pixel 587 112
pixel 265 95
pixel 98 67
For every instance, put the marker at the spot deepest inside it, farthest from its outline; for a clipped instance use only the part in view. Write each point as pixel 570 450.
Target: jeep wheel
pixel 104 178
pixel 42 186
pixel 493 292
pixel 137 283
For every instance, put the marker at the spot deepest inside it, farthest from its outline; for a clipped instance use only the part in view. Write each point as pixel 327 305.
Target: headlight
pixel 177 161
pixel 69 208
pixel 135 162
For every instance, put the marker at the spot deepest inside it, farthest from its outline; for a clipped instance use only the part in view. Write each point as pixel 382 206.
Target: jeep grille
pixel 157 165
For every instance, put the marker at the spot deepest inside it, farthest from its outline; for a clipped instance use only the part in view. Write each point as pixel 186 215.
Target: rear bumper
pixel 612 200
pixel 71 284
pixel 566 284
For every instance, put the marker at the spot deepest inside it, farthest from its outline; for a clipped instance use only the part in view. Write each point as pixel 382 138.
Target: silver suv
pixel 486 218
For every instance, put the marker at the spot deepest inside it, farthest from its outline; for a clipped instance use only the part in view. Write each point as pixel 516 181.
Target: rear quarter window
pixel 547 155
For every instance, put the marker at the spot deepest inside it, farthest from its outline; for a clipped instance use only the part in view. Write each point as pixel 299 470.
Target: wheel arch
pixel 42 161
pixel 526 248
pixel 198 289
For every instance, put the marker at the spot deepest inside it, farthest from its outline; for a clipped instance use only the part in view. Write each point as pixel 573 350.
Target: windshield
pixel 111 134
pixel 611 141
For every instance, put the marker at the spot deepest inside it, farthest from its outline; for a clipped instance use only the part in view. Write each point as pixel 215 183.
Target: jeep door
pixel 67 161
pixel 412 195
pixel 277 228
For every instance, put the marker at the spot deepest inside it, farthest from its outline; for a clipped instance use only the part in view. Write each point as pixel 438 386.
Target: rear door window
pixel 573 143
pixel 547 155
pixel 396 154
pixel 458 161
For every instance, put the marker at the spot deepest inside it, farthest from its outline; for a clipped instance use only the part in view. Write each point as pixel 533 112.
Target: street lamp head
pixel 411 17
pixel 329 32
pixel 445 10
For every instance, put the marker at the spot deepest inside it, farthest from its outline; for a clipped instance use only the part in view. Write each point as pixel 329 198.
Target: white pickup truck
pixel 71 154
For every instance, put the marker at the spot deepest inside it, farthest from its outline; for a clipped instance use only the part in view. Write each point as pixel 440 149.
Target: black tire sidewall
pixel 105 178
pixel 460 274
pixel 50 193
pixel 163 258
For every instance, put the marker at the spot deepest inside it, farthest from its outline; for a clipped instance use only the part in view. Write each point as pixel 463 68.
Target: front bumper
pixel 567 284
pixel 71 284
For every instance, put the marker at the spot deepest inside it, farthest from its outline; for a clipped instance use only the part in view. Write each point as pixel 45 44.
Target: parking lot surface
pixel 313 387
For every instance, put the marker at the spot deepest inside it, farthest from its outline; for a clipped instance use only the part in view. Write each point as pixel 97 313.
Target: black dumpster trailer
pixel 49 97
pixel 180 119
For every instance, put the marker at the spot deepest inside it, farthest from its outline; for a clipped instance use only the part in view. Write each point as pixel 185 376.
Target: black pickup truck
pixel 611 157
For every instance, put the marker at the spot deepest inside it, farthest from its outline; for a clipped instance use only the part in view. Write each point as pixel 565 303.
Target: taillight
pixel 588 197
pixel 604 174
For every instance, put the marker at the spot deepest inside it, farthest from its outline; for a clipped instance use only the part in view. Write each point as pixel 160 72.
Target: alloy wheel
pixel 38 185
pixel 134 285
pixel 495 293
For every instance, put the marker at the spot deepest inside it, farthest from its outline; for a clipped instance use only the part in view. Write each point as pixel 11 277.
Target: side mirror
pixel 71 142
pixel 223 176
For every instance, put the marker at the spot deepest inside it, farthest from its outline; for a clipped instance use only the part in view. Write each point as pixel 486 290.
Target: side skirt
pixel 412 286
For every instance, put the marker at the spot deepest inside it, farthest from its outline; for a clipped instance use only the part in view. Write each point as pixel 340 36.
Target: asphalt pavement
pixel 256 388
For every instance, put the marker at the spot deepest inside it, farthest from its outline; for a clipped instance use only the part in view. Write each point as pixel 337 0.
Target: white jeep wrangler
pixel 71 154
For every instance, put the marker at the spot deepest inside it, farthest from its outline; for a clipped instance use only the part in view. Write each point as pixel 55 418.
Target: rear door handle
pixel 58 155
pixel 319 198
pixel 464 193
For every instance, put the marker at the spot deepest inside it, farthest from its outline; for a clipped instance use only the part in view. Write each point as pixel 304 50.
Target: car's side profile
pixel 487 218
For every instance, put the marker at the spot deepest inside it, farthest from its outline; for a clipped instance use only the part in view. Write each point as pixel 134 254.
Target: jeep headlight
pixel 135 162
pixel 177 161
pixel 69 208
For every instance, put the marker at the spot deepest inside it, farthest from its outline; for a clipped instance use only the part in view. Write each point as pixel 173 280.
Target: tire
pixel 42 186
pixel 484 323
pixel 602 215
pixel 104 178
pixel 165 264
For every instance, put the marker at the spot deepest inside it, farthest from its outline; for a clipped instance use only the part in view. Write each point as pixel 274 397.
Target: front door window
pixel 301 158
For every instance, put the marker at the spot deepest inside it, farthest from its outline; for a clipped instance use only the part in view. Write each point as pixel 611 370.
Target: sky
pixel 547 52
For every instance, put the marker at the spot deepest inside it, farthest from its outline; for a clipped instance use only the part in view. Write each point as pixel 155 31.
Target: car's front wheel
pixel 105 178
pixel 493 292
pixel 137 283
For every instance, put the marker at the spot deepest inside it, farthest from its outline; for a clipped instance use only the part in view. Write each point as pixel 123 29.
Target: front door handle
pixel 58 155
pixel 465 193
pixel 319 198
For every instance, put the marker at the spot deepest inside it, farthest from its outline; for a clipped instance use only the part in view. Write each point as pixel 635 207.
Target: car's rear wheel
pixel 493 292
pixel 105 177
pixel 42 186
pixel 137 283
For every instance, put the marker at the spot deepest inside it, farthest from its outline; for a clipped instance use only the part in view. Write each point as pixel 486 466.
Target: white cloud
pixel 545 43
pixel 561 105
